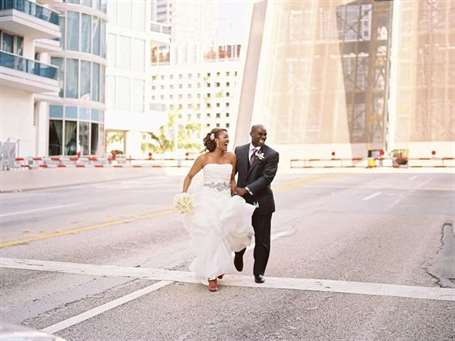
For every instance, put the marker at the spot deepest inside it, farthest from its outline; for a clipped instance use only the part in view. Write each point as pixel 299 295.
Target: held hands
pixel 241 191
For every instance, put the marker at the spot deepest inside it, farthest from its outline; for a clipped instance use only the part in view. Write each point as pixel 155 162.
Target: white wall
pixel 16 119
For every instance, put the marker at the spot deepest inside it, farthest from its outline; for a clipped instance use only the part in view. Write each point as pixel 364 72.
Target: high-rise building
pixel 196 77
pixel 53 59
pixel 131 35
pixel 76 115
pixel 204 93
pixel 26 30
pixel 346 77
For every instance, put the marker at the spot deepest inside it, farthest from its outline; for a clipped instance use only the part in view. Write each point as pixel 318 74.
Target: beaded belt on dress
pixel 219 186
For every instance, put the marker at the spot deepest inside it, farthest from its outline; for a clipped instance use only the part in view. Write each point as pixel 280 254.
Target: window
pixel 198 115
pixel 84 135
pixel 171 76
pixel 55 111
pixel 227 83
pixel 112 51
pixel 189 96
pixel 180 107
pixel 218 105
pixel 218 74
pixel 227 94
pixel 61 72
pixel 189 106
pixel 138 55
pixel 85 80
pixel 19 48
pixel 227 73
pixel 180 86
pixel 123 93
pixel 217 125
pixel 208 85
pixel 218 115
pixel 217 84
pixel 171 86
pixel 189 86
pixel 208 94
pixel 154 77
pixel 208 105
pixel 96 82
pixel 70 138
pixel 208 74
pixel 208 125
pixel 96 36
pixel 84 114
pixel 227 125
pixel 180 76
pixel 138 95
pixel 55 137
pixel 86 29
pixel 73 31
pixel 170 96
pixel 71 113
pixel 94 138
pixel 227 104
pixel 72 68
pixel 227 114
pixel 124 44
pixel 208 115
pixel 162 87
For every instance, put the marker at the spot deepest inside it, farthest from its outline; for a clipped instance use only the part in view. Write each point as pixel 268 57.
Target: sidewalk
pixel 29 180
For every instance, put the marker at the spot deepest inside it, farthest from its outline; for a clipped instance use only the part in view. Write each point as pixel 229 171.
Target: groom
pixel 257 165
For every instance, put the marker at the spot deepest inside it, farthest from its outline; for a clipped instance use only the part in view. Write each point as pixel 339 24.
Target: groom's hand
pixel 241 191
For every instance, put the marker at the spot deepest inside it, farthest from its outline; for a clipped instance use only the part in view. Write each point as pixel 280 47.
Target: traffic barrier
pixel 358 162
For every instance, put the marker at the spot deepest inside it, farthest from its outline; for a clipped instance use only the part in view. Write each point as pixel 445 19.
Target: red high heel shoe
pixel 213 285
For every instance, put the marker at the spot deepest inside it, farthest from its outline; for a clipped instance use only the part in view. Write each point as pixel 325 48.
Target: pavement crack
pixel 442 268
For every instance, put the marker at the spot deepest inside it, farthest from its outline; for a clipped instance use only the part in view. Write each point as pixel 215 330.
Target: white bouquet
pixel 183 203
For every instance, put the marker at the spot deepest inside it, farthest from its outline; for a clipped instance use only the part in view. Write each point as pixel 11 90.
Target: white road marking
pixel 413 177
pixel 304 284
pixel 37 210
pixel 103 308
pixel 371 196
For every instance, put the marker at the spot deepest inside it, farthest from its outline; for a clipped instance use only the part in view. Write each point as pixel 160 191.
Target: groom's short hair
pixel 257 126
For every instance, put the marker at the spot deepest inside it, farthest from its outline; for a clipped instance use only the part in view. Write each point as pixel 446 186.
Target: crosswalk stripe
pixel 303 284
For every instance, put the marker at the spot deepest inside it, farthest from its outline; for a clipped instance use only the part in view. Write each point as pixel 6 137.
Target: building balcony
pixel 27 75
pixel 25 18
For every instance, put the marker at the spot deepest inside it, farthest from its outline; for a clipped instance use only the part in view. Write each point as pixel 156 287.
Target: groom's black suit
pixel 257 177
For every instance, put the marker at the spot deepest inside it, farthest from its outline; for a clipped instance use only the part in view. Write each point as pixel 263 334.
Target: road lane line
pixel 372 196
pixel 77 230
pixel 105 307
pixel 413 177
pixel 38 210
pixel 302 284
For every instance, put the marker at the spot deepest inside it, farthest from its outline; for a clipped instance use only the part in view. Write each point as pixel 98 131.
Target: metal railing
pixel 32 9
pixel 20 63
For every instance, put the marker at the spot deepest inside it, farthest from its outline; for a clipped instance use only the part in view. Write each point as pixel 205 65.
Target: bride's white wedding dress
pixel 219 223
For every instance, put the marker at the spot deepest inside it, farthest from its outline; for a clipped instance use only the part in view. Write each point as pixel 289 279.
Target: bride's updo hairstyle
pixel 209 139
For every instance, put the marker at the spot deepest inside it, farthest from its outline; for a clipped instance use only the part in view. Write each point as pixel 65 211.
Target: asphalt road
pixel 354 257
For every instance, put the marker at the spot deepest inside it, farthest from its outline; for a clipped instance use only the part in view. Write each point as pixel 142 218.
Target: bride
pixel 220 222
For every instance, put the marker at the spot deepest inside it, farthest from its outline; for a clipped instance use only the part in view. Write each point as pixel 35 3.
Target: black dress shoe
pixel 259 278
pixel 238 262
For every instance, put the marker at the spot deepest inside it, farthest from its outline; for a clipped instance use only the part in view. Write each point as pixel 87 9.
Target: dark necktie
pixel 252 157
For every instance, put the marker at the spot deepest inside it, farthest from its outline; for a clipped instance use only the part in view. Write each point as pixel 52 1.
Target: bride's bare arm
pixel 197 166
pixel 234 171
